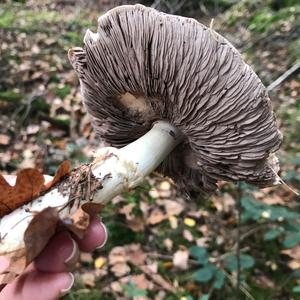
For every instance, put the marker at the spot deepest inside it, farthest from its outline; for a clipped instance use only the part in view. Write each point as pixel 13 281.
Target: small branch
pixel 284 76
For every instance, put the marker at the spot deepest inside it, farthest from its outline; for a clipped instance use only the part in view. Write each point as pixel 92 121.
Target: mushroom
pixel 143 65
pixel 174 96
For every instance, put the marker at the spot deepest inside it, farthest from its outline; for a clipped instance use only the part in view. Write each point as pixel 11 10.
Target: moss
pixel 63 91
pixel 74 38
pixel 7 18
pixel 10 96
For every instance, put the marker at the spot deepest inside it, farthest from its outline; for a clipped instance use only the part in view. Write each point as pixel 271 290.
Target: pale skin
pixel 49 276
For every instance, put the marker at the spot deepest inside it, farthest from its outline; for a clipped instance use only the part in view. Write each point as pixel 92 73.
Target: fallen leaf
pixel 127 210
pixel 156 216
pixel 63 170
pixel 120 269
pixel 4 139
pixel 28 185
pixel 136 224
pixel 187 235
pixel 189 222
pixel 294 264
pixel 100 262
pixel 273 199
pixel 117 255
pixel 292 252
pixel 180 259
pixel 173 222
pixel 173 208
pixel 168 243
pixel 116 287
pixel 88 279
pixel 135 254
pixel 154 193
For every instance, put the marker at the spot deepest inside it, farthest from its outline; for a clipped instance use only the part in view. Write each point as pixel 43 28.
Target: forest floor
pixel 160 246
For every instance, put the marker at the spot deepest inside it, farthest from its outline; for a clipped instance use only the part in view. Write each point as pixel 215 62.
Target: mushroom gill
pixel 143 65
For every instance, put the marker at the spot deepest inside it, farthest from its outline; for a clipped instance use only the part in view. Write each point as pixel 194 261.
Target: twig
pixel 243 287
pixel 284 76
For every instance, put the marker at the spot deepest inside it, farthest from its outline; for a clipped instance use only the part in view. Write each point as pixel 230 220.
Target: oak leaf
pixel 29 184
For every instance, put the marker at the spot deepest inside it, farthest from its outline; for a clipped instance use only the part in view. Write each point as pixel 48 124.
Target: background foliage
pixel 241 243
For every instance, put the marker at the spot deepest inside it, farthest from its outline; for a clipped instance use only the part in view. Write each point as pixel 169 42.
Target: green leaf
pixel 296 273
pixel 204 274
pixel 272 234
pixel 132 291
pixel 204 297
pixel 246 262
pixel 296 289
pixel 291 240
pixel 219 279
pixel 200 254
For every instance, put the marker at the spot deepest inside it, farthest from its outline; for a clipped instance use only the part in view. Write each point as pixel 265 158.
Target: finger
pixel 95 237
pixel 36 285
pixel 60 254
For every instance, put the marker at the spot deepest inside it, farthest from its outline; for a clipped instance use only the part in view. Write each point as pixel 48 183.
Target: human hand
pixel 49 277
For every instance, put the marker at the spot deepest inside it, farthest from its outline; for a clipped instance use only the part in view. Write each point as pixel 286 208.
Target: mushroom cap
pixel 143 65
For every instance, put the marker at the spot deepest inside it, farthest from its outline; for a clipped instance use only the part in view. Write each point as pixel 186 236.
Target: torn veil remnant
pixel 143 65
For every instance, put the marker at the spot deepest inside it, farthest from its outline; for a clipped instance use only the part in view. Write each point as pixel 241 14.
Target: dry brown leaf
pixel 168 243
pixel 173 222
pixel 294 264
pixel 88 279
pixel 78 222
pixel 117 255
pixel 173 208
pixel 294 253
pixel 135 254
pixel 63 170
pixel 28 185
pixel 120 269
pixel 273 199
pixel 40 230
pixel 187 235
pixel 180 259
pixel 156 216
pixel 4 139
pixel 136 224
pixel 127 210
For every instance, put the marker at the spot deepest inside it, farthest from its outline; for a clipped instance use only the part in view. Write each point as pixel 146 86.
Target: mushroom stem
pixel 114 171
pixel 128 166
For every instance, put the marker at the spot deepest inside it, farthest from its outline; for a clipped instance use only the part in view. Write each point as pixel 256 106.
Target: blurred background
pixel 241 243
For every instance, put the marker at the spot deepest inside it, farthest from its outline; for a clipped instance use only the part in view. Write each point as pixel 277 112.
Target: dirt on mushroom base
pixel 157 223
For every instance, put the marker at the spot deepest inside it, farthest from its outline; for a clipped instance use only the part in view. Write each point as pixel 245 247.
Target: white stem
pixel 117 169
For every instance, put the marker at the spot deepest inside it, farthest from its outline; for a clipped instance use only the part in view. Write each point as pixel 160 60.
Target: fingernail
pixel 105 236
pixel 65 291
pixel 74 255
